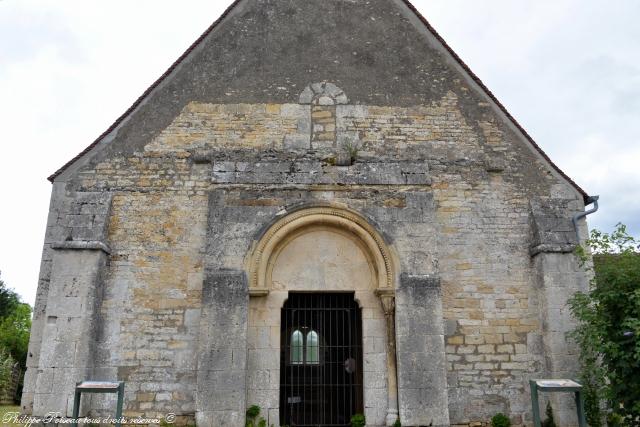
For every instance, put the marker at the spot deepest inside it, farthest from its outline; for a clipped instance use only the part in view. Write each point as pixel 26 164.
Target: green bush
pixel 500 420
pixel 253 411
pixel 397 423
pixel 252 417
pixel 358 420
pixel 608 330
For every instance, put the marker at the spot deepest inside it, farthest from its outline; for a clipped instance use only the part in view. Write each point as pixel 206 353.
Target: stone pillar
pixel 62 347
pixel 222 350
pixel 422 375
pixel 558 278
pixel 68 344
pixel 222 346
pixel 388 300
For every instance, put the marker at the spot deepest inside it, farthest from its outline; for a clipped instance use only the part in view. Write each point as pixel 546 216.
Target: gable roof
pixel 199 40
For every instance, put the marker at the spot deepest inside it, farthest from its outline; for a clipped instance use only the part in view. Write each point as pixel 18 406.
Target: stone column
pixel 388 300
pixel 63 343
pixel 422 374
pixel 559 276
pixel 222 358
pixel 67 352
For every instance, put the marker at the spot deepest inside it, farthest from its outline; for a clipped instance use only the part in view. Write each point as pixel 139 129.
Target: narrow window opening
pixel 313 346
pixel 297 346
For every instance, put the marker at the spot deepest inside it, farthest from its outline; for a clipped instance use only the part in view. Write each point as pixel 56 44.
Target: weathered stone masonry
pixel 453 232
pixel 157 243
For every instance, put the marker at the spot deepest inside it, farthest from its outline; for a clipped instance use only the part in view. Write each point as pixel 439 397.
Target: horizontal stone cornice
pixel 92 245
pixel 317 172
pixel 551 248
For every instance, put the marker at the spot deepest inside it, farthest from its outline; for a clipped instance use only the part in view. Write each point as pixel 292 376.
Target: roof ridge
pixel 408 3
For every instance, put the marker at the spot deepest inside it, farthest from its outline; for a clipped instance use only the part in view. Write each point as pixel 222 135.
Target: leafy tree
pixel 608 329
pixel 14 333
pixel 6 365
pixel 15 324
pixel 8 300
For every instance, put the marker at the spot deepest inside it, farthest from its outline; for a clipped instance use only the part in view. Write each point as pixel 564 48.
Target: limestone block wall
pixel 488 299
pixel 152 300
pixel 451 196
pixel 229 126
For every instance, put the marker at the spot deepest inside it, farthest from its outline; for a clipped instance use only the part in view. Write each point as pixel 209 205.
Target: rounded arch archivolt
pixel 265 250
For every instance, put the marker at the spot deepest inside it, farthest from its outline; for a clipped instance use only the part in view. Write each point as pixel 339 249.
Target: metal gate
pixel 320 360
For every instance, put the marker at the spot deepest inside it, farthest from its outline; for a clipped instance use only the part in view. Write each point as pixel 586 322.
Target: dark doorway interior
pixel 320 360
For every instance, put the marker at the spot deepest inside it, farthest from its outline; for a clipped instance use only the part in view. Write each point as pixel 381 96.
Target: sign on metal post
pixel 557 386
pixel 98 387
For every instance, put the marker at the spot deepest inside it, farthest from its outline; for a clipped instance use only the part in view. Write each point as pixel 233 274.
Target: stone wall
pixel 450 196
pixel 152 303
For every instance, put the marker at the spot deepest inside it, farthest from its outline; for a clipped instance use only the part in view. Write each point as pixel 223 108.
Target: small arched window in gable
pixel 297 345
pixel 313 348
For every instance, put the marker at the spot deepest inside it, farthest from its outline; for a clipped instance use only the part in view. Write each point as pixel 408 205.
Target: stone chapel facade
pixel 318 209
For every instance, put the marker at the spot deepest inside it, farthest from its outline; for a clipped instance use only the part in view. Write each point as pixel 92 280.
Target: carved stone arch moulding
pixel 264 251
pixel 323 93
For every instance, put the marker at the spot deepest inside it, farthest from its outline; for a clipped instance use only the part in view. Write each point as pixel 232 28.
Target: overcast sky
pixel 568 70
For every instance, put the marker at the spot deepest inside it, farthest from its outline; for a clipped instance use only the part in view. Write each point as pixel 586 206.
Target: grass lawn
pixel 4 409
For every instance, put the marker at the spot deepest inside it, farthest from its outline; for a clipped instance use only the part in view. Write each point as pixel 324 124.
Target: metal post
pixel 535 403
pixel 120 401
pixel 582 422
pixel 76 406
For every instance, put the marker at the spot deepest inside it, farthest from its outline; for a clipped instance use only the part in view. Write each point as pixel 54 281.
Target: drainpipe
pixel 576 217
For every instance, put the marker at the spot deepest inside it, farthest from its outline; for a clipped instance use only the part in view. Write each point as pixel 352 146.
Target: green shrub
pixel 500 420
pixel 608 330
pixel 616 420
pixel 253 411
pixel 397 423
pixel 358 420
pixel 549 422
pixel 252 417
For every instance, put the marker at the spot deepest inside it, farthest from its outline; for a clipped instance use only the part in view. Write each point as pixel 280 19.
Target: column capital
pixel 388 300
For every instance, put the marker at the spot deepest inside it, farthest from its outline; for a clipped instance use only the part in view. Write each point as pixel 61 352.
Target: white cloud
pixel 567 69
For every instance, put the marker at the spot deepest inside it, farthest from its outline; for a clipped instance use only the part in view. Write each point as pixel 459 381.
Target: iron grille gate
pixel 321 360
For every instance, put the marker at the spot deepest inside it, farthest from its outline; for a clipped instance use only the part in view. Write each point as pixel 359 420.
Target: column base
pixel 392 416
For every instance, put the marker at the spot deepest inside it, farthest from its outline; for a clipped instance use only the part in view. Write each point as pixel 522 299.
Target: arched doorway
pixel 316 277
pixel 321 359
